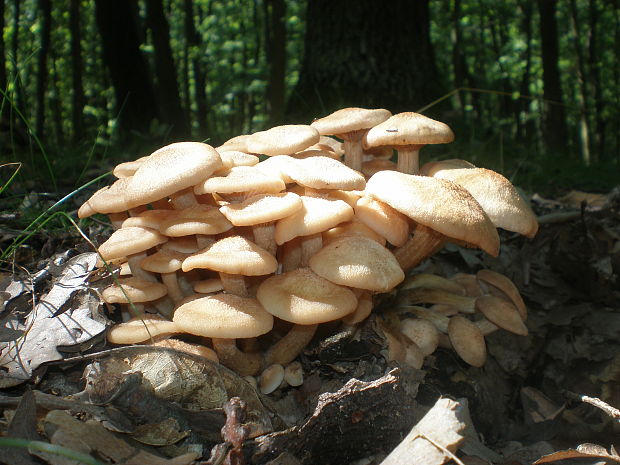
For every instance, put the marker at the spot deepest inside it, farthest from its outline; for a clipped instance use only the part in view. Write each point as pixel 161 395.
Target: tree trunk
pixel 582 94
pixel 555 132
pixel 200 84
pixel 168 96
pixel 377 55
pixel 595 79
pixel 3 74
pixel 45 12
pixel 526 131
pixel 77 100
pixel 275 45
pixel 135 99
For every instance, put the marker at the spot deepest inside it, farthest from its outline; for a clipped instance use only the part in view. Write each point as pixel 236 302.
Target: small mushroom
pixel 467 340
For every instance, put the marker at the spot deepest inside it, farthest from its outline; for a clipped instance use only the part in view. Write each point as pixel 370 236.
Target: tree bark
pixel 45 12
pixel 275 45
pixel 77 96
pixel 377 55
pixel 168 96
pixel 555 132
pixel 135 99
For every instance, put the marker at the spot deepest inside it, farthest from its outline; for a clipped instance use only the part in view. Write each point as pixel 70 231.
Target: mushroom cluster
pixel 224 246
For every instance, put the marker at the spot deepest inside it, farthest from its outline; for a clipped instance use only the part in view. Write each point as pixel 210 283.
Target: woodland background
pixel 531 88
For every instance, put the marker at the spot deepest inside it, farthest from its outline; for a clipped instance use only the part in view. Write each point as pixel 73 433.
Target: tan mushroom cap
pixel 501 312
pixel 497 196
pixel 163 261
pixel 171 169
pixel 350 119
pixel 326 173
pixel 507 287
pixel 423 332
pixel 302 297
pixel 279 165
pixel 383 219
pixel 467 340
pixel 235 143
pixel 109 199
pixel 138 290
pixel 231 158
pixel 199 219
pixel 225 316
pixel 184 244
pixel 408 128
pixel 128 241
pixel 316 215
pixel 148 219
pixel 378 164
pixel 329 144
pixel 441 205
pixel 359 262
pixel 233 255
pixel 140 329
pixel 352 228
pixel 208 286
pixel 262 208
pixel 311 153
pixel 430 168
pixel 283 140
pixel 128 168
pixel 241 179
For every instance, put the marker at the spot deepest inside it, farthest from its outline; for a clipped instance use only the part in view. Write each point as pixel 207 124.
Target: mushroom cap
pixel 163 261
pixel 497 196
pixel 371 167
pixel 231 158
pixel 283 140
pixel 383 219
pixel 128 241
pixel 184 244
pixel 438 204
pixel 208 286
pixel 507 287
pixel 315 216
pixel 311 153
pixel 241 179
pixel 198 219
pixel 350 119
pixel 170 169
pixel 148 219
pixel 140 329
pixel 430 168
pixel 128 168
pixel 235 143
pixel 262 208
pixel 302 297
pixel 326 173
pixel 467 340
pixel 138 290
pixel 271 378
pixel 279 165
pixel 358 261
pixel 423 332
pixel 501 312
pixel 109 199
pixel 233 255
pixel 351 228
pixel 225 316
pixel 408 128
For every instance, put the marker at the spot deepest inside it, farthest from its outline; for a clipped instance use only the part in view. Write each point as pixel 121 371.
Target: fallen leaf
pixel 585 450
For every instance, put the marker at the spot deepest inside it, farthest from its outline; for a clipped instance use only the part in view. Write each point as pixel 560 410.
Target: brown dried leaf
pixel 585 450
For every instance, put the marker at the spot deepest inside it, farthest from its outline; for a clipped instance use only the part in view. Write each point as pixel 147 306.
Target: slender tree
pixel 275 44
pixel 167 94
pixel 77 100
pixel 555 132
pixel 199 73
pixel 45 12
pixel 3 74
pixel 135 100
pixel 378 56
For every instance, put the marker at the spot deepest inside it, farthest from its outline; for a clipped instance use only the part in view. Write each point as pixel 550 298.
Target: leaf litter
pixel 522 403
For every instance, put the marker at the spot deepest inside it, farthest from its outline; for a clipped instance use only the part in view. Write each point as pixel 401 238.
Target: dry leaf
pixel 585 450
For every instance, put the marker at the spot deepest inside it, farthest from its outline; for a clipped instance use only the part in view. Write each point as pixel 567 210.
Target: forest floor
pixel 65 386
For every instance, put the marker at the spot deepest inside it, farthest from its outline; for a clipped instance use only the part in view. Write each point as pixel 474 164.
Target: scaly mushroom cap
pixel 378 164
pixel 128 168
pixel 430 168
pixel 497 196
pixel 303 297
pixel 408 128
pixel 128 241
pixel 225 316
pixel 438 204
pixel 199 219
pixel 232 158
pixel 151 219
pixel 241 179
pixel 262 208
pixel 140 329
pixel 163 261
pixel 352 228
pixel 280 165
pixel 138 290
pixel 423 332
pixel 283 140
pixel 235 143
pixel 358 262
pixel 109 199
pixel 326 173
pixel 171 169
pixel 316 215
pixel 348 120
pixel 233 255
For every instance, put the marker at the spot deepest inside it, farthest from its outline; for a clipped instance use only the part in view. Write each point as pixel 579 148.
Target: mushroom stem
pixel 309 246
pixel 465 304
pixel 234 284
pixel 286 349
pixel 409 159
pixel 424 243
pixel 116 219
pixel 244 364
pixel 172 284
pixel 264 236
pixel 353 150
pixel 134 265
